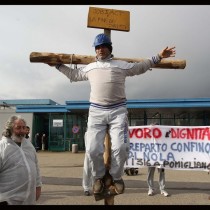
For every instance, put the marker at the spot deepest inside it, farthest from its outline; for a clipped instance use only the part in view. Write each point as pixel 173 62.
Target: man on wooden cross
pixel 108 107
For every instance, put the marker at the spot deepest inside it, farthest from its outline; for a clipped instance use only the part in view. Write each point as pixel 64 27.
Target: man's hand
pixel 167 52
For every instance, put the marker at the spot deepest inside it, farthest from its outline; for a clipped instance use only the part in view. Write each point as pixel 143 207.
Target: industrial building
pixel 66 124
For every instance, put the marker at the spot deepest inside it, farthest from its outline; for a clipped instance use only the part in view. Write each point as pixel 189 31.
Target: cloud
pixel 63 29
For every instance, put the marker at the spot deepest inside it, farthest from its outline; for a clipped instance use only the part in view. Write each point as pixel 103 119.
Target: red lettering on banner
pixel 190 133
pixel 145 133
pixel 131 132
pixel 156 133
pixel 138 133
pixel 205 133
pixel 174 133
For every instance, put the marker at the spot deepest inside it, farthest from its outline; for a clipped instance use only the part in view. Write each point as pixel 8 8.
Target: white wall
pixel 7 112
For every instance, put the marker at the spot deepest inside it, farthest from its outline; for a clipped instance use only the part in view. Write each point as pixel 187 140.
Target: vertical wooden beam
pixel 107 32
pixel 107 153
pixel 107 161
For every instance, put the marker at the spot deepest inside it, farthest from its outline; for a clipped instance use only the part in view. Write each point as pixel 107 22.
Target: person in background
pixel 27 135
pixel 108 106
pixel 87 180
pixel 20 179
pixel 43 141
pixel 37 142
pixel 161 181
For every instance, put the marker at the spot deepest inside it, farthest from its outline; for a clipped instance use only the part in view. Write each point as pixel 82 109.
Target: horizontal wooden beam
pixel 60 58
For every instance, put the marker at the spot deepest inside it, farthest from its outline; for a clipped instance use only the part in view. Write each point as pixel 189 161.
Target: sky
pixel 63 29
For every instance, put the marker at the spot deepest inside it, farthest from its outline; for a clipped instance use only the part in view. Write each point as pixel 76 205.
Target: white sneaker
pixel 151 192
pixel 163 192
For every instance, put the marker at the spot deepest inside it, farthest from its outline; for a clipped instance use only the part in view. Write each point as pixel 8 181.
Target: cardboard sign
pixel 109 19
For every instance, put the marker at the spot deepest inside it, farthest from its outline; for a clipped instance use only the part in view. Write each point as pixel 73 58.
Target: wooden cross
pixel 107 19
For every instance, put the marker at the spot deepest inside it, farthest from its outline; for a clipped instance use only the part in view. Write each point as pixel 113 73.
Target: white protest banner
pixel 170 147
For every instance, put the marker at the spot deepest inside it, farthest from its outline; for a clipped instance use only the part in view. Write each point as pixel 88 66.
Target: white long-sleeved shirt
pixel 19 172
pixel 107 78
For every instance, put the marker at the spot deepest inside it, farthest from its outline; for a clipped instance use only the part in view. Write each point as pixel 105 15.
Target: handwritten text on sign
pixel 173 147
pixel 109 19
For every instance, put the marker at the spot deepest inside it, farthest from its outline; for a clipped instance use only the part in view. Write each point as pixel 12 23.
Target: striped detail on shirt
pixel 156 59
pixel 57 66
pixel 108 106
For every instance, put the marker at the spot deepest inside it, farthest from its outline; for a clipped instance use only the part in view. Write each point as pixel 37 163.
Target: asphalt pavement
pixel 62 184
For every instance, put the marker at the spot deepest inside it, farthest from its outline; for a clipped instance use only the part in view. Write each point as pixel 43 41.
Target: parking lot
pixel 62 178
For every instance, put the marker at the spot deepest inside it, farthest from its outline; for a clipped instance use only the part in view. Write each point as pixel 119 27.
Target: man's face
pixel 18 131
pixel 102 52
